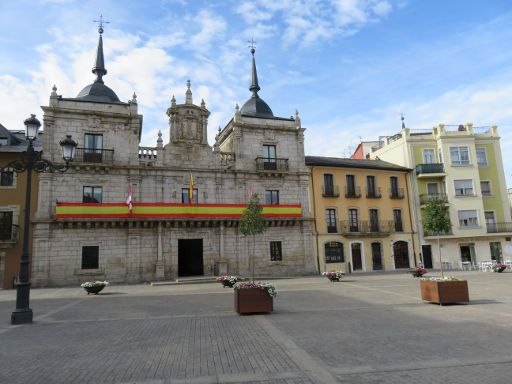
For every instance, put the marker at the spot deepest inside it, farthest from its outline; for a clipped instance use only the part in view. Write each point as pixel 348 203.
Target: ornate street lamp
pixel 32 162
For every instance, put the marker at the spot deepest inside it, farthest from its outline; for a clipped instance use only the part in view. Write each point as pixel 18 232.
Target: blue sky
pixel 349 66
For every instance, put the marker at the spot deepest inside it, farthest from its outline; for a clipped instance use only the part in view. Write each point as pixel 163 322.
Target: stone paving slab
pixel 366 329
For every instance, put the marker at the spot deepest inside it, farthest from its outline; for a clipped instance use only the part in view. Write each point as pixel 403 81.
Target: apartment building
pixel 362 213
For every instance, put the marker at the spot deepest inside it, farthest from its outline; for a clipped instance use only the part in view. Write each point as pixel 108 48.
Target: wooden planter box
pixel 445 292
pixel 253 300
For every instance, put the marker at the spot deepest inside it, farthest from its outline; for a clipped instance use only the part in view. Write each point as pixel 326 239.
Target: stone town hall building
pixel 84 228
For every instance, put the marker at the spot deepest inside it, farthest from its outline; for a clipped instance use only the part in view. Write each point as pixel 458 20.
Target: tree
pixel 253 222
pixel 436 219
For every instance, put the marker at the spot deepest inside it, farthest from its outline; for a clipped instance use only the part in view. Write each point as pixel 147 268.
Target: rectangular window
pixel 485 186
pixel 6 179
pixel 185 197
pixel 371 189
pixel 459 155
pixel 481 156
pixel 353 220
pixel 334 252
pixel 468 218
pixel 351 185
pixel 92 195
pixel 397 218
pixel 6 225
pixel 90 257
pixel 328 185
pixel 374 220
pixel 490 222
pixel 268 152
pixel 3 141
pixel 276 253
pixel 93 145
pixel 330 219
pixel 464 187
pixel 272 197
pixel 429 156
pixel 432 189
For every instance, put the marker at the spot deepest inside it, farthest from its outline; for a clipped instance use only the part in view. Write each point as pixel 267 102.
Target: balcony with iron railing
pixel 425 198
pixel 367 227
pixel 352 191
pixel 330 191
pixel 396 193
pixel 432 234
pixel 499 227
pixel 265 164
pixel 373 193
pixel 9 234
pixel 430 170
pixel 88 155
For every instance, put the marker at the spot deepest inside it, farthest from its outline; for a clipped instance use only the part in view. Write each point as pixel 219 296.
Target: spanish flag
pixel 191 190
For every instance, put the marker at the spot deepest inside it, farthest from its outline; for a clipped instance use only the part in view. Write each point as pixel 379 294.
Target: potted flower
pixel 418 271
pixel 228 281
pixel 498 267
pixel 444 290
pixel 333 275
pixel 254 297
pixel 94 286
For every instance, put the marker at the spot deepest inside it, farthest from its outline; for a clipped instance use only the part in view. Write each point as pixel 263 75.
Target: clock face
pixel 508 249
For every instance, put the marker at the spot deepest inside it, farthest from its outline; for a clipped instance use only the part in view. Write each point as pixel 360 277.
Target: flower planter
pixel 253 300
pixel 416 274
pixel 95 289
pixel 500 269
pixel 333 279
pixel 444 292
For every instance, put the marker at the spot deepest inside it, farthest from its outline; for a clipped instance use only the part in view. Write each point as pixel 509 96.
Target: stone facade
pixel 135 249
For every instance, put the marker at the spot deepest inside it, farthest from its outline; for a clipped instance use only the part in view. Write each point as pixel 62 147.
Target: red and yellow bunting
pixel 168 211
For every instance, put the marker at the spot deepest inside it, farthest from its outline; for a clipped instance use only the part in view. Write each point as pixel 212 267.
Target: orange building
pixel 363 220
pixel 12 204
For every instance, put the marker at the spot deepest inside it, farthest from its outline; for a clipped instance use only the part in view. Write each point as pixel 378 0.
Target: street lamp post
pixel 32 162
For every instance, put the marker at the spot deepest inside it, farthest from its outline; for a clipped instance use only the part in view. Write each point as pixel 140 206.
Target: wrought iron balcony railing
pixel 330 191
pixel 265 164
pixel 352 191
pixel 9 234
pixel 373 193
pixel 88 155
pixel 425 198
pixel 430 168
pixel 396 193
pixel 367 227
pixel 499 227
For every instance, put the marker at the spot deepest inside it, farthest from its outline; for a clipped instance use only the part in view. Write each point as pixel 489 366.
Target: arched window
pixel 334 252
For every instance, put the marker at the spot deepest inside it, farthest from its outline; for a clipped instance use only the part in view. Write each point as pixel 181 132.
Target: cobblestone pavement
pixel 365 329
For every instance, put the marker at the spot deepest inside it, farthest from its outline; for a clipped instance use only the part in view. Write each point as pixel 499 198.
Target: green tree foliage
pixel 253 222
pixel 436 218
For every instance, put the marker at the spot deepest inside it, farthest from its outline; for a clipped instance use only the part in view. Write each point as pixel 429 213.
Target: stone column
pixel 160 265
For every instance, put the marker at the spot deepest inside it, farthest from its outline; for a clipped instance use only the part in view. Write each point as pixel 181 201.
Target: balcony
pixel 396 193
pixel 352 192
pixel 367 227
pixel 430 170
pixel 148 155
pixel 499 227
pixel 373 193
pixel 425 198
pixel 88 155
pixel 9 235
pixel 330 191
pixel 271 165
pixel 431 234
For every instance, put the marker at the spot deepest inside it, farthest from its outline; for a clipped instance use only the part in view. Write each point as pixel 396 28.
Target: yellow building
pixel 12 204
pixel 363 220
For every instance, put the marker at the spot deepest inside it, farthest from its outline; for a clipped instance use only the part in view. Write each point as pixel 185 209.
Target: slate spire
pixel 254 88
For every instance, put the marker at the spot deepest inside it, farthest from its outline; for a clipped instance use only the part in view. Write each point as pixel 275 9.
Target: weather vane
pixel 100 24
pixel 252 46
pixel 402 118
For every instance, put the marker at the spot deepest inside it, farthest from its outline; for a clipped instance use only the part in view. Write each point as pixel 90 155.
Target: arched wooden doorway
pixel 401 254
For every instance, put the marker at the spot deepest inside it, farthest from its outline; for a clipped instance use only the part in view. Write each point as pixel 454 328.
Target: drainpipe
pixel 314 221
pixel 407 178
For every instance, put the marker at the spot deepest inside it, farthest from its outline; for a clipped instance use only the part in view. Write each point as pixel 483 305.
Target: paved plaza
pixel 370 328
